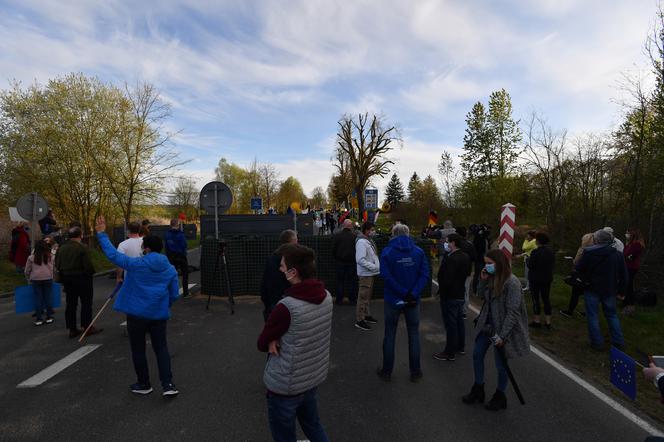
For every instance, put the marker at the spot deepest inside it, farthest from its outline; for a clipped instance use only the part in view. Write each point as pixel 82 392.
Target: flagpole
pixel 115 290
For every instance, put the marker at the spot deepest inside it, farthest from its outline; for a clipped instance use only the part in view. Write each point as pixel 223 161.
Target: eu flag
pixel 25 298
pixel 623 373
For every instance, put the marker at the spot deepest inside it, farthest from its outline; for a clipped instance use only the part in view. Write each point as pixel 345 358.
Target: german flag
pixel 433 218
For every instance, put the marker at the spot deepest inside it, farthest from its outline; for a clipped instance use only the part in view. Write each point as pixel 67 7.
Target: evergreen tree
pixel 429 195
pixel 477 161
pixel 414 187
pixel 504 133
pixel 394 191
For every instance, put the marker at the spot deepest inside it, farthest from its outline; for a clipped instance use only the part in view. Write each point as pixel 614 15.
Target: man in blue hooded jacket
pixel 148 291
pixel 405 270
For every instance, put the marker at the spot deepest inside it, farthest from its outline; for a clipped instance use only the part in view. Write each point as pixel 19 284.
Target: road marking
pixel 56 368
pixel 645 426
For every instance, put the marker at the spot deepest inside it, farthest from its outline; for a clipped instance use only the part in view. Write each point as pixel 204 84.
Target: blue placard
pixel 257 204
pixel 371 198
pixel 25 298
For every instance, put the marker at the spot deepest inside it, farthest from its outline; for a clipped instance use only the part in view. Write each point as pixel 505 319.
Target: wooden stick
pixel 93 321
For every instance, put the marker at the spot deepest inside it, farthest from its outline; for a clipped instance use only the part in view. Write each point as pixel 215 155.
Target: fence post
pixel 507 224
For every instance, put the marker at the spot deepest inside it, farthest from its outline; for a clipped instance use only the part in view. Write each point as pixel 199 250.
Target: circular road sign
pixel 32 206
pixel 224 198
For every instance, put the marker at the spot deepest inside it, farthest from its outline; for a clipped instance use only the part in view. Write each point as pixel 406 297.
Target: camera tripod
pixel 221 260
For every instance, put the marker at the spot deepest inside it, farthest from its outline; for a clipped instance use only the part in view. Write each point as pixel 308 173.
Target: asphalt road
pixel 219 374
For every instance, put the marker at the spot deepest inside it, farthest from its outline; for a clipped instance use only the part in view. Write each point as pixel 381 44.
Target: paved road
pixel 219 373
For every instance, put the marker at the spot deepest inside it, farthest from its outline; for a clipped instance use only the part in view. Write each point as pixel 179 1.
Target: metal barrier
pixel 246 256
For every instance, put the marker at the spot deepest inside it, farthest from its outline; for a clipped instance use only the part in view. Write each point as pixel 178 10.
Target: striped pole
pixel 507 223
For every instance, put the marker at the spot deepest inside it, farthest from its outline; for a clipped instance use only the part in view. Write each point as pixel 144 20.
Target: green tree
pixel 290 191
pixel 414 185
pixel 429 195
pixel 394 191
pixel 235 178
pixel 504 133
pixel 478 159
pixel 318 198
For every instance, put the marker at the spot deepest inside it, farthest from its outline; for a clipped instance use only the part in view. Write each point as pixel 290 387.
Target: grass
pixel 568 341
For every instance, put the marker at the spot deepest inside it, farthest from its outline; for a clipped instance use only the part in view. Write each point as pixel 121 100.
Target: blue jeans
pixel 282 411
pixel 137 328
pixel 482 345
pixel 452 311
pixel 412 315
pixel 593 301
pixel 42 291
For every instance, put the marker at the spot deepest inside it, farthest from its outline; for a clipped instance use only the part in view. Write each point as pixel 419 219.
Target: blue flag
pixel 623 373
pixel 25 298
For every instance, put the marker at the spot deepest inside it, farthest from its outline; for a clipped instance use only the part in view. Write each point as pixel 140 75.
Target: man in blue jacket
pixel 148 291
pixel 176 251
pixel 405 270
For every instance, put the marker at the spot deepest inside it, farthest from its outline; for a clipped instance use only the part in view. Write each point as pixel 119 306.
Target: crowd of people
pixel 298 308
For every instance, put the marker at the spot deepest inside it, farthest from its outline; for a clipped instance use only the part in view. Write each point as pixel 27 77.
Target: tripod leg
pixel 231 301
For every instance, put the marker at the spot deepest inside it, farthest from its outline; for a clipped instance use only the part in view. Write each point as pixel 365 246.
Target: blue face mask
pixel 490 268
pixel 446 246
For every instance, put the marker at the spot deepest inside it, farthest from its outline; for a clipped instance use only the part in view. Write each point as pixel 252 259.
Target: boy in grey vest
pixel 297 338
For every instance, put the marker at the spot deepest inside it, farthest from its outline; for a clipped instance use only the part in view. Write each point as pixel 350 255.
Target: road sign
pixel 257 203
pixel 371 199
pixel 32 206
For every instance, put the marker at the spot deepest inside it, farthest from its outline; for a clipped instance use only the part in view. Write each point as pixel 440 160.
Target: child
pixel 39 272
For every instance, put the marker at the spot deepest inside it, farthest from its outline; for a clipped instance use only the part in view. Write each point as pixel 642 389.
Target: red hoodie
pixel 310 290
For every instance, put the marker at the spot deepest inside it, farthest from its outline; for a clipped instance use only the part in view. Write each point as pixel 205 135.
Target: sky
pixel 270 79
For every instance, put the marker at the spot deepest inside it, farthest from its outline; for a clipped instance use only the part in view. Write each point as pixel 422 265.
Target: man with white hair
pixel 343 250
pixel 604 267
pixel 405 270
pixel 617 244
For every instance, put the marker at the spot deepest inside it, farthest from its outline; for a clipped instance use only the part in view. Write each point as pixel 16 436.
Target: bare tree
pixel 269 182
pixel 546 153
pixel 364 142
pixel 590 176
pixel 185 197
pixel 448 177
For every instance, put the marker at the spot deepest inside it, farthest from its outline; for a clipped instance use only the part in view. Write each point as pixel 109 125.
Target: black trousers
pixel 574 298
pixel 541 290
pixel 137 329
pixel 630 299
pixel 78 287
pixel 180 263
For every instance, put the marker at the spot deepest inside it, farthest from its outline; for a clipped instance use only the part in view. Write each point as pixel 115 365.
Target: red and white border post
pixel 507 224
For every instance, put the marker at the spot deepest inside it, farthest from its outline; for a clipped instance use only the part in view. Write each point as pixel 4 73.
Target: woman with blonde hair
pixel 586 241
pixel 502 324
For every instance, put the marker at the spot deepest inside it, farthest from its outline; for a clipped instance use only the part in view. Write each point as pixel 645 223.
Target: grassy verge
pixel 568 341
pixel 8 276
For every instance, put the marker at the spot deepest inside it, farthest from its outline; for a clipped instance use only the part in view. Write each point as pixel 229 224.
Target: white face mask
pixel 446 246
pixel 627 236
pixel 286 274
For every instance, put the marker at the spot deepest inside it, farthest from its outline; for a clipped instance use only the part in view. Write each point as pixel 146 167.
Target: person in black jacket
pixel 273 283
pixel 540 276
pixel 452 274
pixel 343 251
pixel 605 268
pixel 468 248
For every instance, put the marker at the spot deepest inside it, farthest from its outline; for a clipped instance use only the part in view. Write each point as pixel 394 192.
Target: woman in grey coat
pixel 502 323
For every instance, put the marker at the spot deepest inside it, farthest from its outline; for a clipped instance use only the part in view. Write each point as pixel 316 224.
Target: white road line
pixel 645 426
pixel 56 368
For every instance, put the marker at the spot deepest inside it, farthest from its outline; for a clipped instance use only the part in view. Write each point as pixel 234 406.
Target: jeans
pixel 180 262
pixel 137 328
pixel 455 329
pixel 43 292
pixel 593 301
pixel 541 289
pixel 482 344
pixel 412 315
pixel 78 286
pixel 282 411
pixel 346 279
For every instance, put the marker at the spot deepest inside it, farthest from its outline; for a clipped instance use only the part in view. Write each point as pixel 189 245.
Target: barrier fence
pixel 246 256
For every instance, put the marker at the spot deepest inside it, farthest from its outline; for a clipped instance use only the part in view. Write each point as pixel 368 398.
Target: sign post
pixel 507 224
pixel 33 207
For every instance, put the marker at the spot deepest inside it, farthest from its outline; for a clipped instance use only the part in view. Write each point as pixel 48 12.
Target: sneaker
pixel 170 390
pixel 49 320
pixel 461 352
pixel 370 320
pixel 566 313
pixel 384 376
pixel 362 325
pixel 442 356
pixel 39 322
pixel 140 388
pixel 465 316
pixel 416 377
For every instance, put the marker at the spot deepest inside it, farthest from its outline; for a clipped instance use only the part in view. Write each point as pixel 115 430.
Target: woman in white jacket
pixel 368 266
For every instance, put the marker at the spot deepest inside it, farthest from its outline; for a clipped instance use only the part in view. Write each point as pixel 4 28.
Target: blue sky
pixel 270 79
